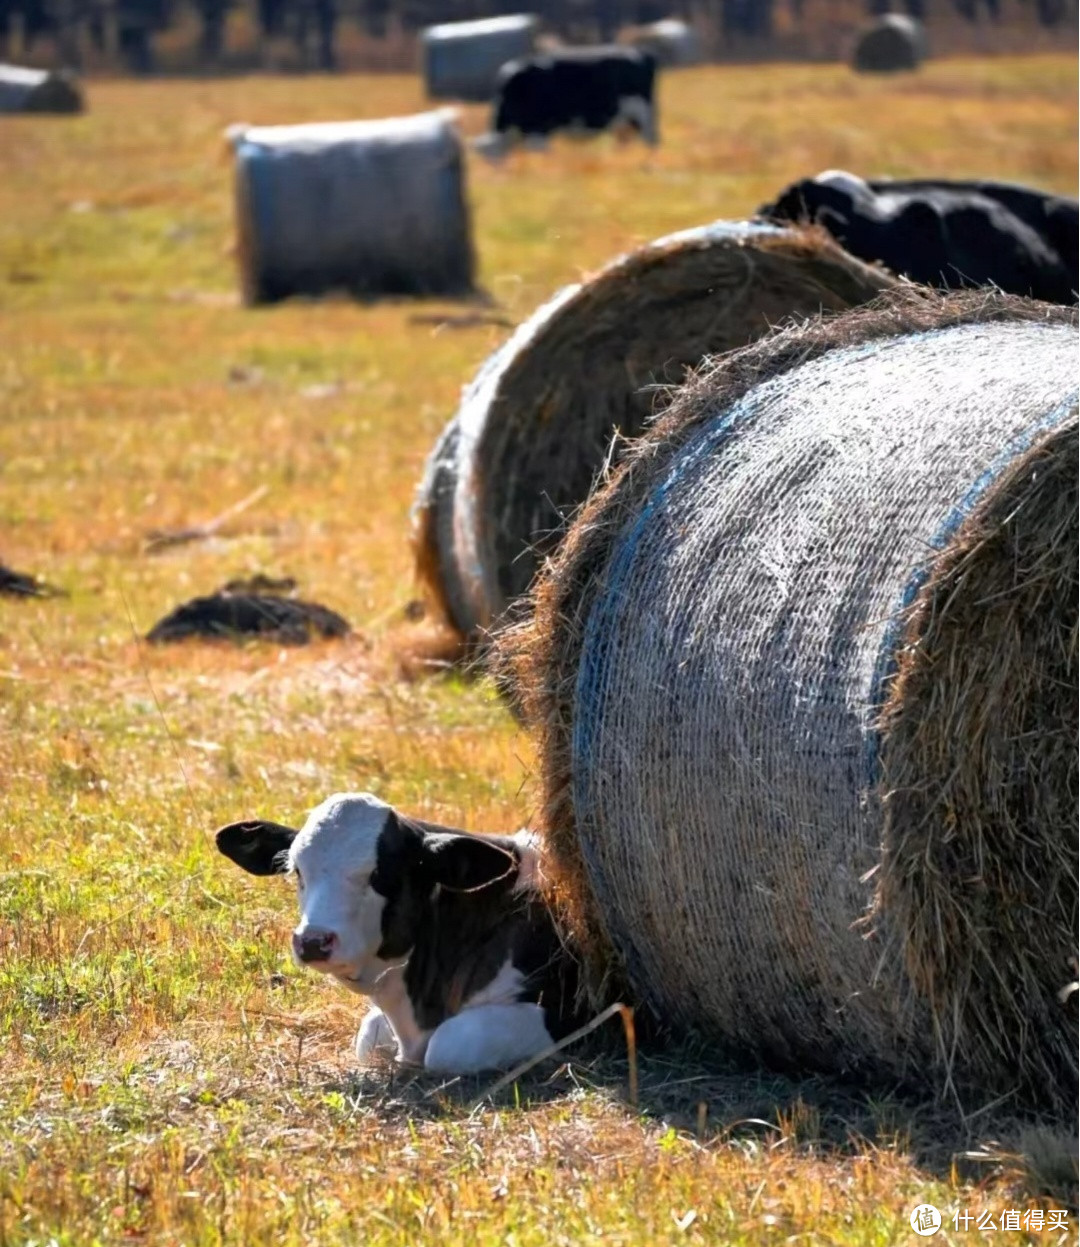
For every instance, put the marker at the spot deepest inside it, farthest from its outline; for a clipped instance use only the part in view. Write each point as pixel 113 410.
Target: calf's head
pixel 364 875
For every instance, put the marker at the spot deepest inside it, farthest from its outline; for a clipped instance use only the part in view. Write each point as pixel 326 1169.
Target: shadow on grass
pixel 679 1089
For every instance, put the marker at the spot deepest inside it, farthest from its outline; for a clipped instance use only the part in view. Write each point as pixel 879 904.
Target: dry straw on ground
pixel 804 677
pixel 535 426
pixel 365 207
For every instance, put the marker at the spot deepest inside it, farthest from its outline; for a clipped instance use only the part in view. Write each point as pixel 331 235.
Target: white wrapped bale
pixel 366 207
pixel 672 41
pixel 890 43
pixel 38 91
pixel 462 59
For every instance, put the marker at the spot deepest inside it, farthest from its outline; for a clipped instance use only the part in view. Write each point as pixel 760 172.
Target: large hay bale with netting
pixel 24 90
pixel 804 677
pixel 535 425
pixel 889 44
pixel 364 207
pixel 461 60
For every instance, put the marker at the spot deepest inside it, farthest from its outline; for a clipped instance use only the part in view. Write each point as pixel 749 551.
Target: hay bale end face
pixel 25 90
pixel 804 675
pixel 890 44
pixel 535 425
pixel 461 60
pixel 368 208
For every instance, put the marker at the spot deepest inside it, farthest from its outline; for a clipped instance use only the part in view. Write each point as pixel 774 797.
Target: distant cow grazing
pixel 445 932
pixel 577 89
pixel 946 234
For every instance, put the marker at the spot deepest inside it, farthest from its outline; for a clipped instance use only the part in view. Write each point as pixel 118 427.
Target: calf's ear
pixel 259 847
pixel 466 863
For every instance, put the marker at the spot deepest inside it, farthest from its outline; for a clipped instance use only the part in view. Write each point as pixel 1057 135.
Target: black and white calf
pixel 445 932
pixel 582 89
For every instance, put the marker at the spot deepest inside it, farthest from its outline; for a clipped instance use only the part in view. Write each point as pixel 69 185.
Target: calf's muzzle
pixel 313 944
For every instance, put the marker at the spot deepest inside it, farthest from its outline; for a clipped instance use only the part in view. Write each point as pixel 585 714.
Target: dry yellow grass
pixel 167 1077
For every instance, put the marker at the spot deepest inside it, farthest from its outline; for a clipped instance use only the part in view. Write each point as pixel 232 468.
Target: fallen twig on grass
pixel 460 320
pixel 164 538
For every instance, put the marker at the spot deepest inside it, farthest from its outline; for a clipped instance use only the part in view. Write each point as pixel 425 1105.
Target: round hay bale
pixel 888 44
pixel 671 41
pixel 38 91
pixel 535 425
pixel 804 676
pixel 366 207
pixel 461 60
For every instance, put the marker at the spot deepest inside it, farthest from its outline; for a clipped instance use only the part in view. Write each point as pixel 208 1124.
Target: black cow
pixel 573 89
pixel 947 234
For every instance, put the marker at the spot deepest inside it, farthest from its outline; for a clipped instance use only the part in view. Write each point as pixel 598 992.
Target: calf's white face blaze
pixel 332 859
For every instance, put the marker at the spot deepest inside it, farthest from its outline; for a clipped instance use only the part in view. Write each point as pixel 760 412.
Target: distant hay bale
pixel 365 207
pixel 461 60
pixel 804 678
pixel 671 41
pixel 535 425
pixel 38 91
pixel 890 43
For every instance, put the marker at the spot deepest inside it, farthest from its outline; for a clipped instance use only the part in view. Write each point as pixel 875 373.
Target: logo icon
pixel 925 1220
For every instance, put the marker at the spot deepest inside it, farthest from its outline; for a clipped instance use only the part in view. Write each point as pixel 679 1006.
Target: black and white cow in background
pixel 577 89
pixel 445 932
pixel 949 234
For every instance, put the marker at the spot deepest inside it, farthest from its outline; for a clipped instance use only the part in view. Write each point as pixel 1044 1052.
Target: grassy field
pixel 167 1075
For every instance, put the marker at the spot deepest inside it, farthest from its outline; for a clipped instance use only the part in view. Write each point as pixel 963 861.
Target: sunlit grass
pixel 167 1075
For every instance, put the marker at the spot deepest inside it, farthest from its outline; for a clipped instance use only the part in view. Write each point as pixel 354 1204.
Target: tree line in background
pixel 123 30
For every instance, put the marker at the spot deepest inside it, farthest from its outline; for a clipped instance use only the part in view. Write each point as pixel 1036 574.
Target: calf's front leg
pixel 487 1037
pixel 375 1038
